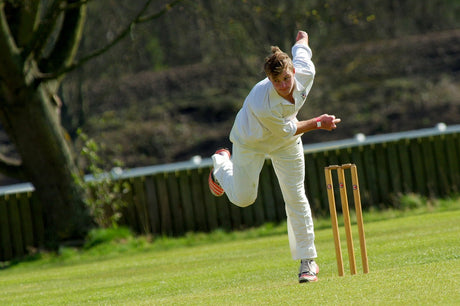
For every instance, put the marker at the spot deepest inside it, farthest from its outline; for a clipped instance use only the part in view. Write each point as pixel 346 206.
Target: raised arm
pixel 302 38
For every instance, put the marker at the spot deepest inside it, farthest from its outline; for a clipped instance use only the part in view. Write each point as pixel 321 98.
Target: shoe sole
pixel 312 278
pixel 215 189
pixel 307 280
pixel 223 151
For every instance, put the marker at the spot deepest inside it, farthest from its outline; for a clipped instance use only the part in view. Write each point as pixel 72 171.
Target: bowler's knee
pixel 244 201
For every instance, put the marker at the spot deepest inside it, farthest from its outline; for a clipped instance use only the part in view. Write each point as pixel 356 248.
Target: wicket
pixel 346 216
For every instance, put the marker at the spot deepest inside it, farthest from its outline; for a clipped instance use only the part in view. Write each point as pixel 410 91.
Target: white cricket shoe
pixel 308 271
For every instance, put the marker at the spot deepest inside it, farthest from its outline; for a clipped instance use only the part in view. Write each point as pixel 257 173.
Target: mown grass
pixel 414 258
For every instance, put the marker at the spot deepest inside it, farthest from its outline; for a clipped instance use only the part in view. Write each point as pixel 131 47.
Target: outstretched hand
pixel 328 122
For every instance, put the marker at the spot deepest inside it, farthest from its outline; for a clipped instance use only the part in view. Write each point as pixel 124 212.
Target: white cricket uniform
pixel 265 126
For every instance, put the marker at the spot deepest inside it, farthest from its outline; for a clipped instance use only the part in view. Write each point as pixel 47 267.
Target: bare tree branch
pixel 11 167
pixel 8 48
pixel 28 14
pixel 160 13
pixel 140 18
pixel 77 4
pixel 44 30
pixel 5 32
pixel 70 33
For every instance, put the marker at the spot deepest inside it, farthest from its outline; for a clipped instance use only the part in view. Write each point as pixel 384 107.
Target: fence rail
pixel 174 199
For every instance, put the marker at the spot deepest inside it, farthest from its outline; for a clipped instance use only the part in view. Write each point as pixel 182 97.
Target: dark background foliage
pixel 172 89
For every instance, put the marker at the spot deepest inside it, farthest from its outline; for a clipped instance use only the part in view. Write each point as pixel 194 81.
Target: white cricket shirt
pixel 267 121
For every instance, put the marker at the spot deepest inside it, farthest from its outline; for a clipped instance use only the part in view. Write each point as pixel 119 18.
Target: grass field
pixel 414 259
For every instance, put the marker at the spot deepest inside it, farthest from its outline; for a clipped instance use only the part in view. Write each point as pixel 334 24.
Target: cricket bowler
pixel 266 126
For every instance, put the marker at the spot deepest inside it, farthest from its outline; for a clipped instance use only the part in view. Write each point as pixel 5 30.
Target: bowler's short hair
pixel 277 62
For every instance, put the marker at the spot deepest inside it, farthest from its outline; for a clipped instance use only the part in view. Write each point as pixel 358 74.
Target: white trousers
pixel 239 177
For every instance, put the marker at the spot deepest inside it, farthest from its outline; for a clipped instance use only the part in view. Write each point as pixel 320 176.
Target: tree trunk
pixel 38 44
pixel 32 122
pixel 30 107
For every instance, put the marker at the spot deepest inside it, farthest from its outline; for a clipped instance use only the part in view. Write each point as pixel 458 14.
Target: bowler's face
pixel 283 83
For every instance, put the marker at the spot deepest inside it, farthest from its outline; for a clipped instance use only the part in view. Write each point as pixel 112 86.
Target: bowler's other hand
pixel 302 37
pixel 329 122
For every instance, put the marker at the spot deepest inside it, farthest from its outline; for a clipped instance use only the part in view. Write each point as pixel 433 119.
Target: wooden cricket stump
pixel 346 216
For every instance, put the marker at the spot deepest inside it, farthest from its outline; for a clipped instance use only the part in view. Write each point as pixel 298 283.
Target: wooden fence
pixel 174 199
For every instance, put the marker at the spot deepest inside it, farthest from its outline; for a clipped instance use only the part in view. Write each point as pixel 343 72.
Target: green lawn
pixel 413 259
